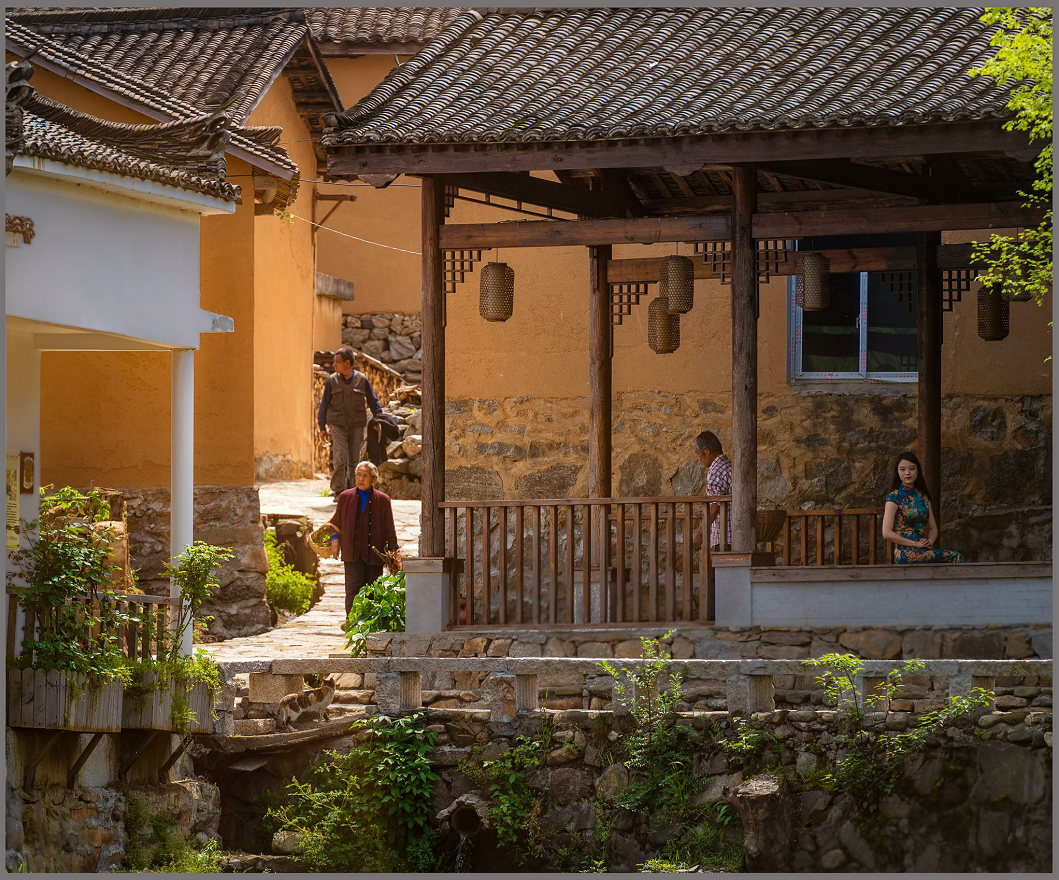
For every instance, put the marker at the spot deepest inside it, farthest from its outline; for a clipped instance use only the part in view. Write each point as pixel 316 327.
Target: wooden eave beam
pixel 773 199
pixel 542 193
pixel 846 173
pixel 724 149
pixel 617 182
pixel 717 227
pixel 881 259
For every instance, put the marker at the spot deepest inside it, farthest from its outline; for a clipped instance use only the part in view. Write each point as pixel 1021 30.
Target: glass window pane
pixel 891 329
pixel 830 338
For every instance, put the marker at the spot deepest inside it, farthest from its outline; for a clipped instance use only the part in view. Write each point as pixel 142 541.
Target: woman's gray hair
pixel 371 468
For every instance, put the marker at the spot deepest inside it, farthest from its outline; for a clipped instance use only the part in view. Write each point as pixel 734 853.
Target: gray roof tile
pixel 379 24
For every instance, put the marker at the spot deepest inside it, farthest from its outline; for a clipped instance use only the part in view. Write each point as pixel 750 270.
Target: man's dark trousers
pixel 357 575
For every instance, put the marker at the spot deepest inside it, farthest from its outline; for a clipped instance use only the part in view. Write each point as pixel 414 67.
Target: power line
pixel 388 247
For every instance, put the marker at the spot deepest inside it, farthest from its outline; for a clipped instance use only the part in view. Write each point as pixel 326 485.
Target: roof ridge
pixel 133 14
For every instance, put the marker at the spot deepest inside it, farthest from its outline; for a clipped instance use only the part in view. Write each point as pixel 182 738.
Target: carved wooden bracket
pixel 624 297
pixel 954 284
pixel 771 254
pixel 457 265
pixel 902 285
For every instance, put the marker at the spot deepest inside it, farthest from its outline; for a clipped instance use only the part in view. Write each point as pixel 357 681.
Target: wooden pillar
pixel 432 480
pixel 928 332
pixel 744 361
pixel 599 375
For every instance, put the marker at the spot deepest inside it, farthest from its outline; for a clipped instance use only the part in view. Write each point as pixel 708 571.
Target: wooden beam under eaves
pixel 845 173
pixel 541 193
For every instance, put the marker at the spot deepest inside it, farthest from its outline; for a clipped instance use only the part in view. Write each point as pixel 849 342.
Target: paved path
pixel 319 632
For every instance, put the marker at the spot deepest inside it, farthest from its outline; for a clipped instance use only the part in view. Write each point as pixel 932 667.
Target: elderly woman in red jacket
pixel 364 519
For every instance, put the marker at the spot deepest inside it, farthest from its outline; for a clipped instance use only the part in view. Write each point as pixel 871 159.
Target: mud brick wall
pixel 816 450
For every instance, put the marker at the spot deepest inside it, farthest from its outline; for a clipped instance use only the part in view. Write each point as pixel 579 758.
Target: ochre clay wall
pixel 284 294
pixel 327 324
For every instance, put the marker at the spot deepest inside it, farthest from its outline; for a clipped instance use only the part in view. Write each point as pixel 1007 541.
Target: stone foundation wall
pixel 225 516
pixel 395 339
pixel 816 450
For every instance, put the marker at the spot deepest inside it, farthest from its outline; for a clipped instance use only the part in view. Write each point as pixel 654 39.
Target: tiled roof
pixel 188 153
pixel 606 74
pixel 379 24
pixel 205 57
pixel 256 141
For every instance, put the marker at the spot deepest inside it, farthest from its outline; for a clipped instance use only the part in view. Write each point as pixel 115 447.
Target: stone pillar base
pixel 428 585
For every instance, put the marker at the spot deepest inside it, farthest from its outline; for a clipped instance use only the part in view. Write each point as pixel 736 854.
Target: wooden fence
pixel 640 564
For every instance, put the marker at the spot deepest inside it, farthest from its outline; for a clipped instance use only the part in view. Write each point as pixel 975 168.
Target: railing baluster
pixel 520 525
pixel 820 539
pixel 586 562
pixel 487 564
pixel 570 563
pixel 637 560
pixel 838 539
pixel 468 580
pixel 872 539
pixel 145 644
pixel 722 531
pixel 602 533
pixel 803 538
pixel 619 552
pixel 536 517
pixel 856 539
pixel 671 566
pixel 705 592
pixel 553 554
pixel 454 595
pixel 652 562
pixel 503 564
pixel 687 561
pixel 787 541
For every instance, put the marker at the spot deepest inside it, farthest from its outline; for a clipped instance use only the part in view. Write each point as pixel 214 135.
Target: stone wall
pixel 816 450
pixel 395 339
pixel 225 516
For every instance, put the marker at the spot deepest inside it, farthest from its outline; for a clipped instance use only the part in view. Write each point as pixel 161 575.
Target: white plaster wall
pixel 23 409
pixel 104 262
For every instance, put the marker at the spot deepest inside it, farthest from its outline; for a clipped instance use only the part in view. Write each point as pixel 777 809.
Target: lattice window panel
pixel 718 256
pixel 457 265
pixel 954 284
pixel 902 285
pixel 623 298
pixel 772 254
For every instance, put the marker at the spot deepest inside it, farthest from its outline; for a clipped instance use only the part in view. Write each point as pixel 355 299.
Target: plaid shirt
pixel 719 482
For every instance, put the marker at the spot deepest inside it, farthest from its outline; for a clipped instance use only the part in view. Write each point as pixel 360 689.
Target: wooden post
pixel 433 476
pixel 744 361
pixel 599 420
pixel 928 331
pixel 599 375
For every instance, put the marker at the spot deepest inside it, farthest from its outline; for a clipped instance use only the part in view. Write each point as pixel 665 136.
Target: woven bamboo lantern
pixel 663 329
pixel 812 290
pixel 994 314
pixel 496 297
pixel 676 284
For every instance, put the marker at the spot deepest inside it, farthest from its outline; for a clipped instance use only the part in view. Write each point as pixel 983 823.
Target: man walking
pixel 342 416
pixel 718 482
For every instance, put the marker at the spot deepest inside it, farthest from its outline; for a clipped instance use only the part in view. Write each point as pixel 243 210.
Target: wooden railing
pixel 834 537
pixel 144 636
pixel 637 566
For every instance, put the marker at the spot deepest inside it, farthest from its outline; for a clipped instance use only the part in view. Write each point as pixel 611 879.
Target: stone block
pixel 522 648
pixel 595 649
pixel 268 688
pixel 872 644
pixel 255 726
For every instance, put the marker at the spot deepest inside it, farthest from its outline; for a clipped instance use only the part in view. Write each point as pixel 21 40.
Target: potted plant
pixel 66 673
pixel 170 690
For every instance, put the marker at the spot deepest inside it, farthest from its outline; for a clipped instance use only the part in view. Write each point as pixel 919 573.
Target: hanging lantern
pixel 676 284
pixel 812 290
pixel 994 313
pixel 663 329
pixel 497 292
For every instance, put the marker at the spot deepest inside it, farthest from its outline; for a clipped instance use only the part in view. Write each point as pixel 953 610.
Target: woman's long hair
pixel 920 483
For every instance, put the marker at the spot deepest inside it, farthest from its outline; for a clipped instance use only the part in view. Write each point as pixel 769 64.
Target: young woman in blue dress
pixel 908 520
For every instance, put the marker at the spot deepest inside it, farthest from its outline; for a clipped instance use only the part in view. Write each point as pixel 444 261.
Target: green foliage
pixel 1024 59
pixel 378 607
pixel 753 747
pixel 67 503
pixel 61 570
pixel 164 849
pixel 286 588
pixel 840 682
pixel 369 809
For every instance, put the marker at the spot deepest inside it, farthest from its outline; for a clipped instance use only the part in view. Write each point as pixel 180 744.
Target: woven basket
pixel 496 296
pixel 325 529
pixel 994 314
pixel 676 284
pixel 663 329
pixel 812 290
pixel 770 524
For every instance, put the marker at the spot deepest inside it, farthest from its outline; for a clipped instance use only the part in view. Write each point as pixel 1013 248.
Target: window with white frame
pixel 866 331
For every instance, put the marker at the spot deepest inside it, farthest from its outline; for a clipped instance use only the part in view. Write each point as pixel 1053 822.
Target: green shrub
pixel 286 589
pixel 378 607
pixel 367 810
pixel 164 849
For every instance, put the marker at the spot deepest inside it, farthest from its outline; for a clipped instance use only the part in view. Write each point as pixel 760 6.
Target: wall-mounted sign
pixel 25 469
pixel 12 500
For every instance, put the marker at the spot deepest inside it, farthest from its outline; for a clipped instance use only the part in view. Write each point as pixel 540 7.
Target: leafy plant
pixel 155 845
pixel 1024 58
pixel 286 588
pixel 840 682
pixel 378 607
pixel 68 503
pixel 368 809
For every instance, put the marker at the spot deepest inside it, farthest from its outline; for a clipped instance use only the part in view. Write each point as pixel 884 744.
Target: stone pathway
pixel 319 632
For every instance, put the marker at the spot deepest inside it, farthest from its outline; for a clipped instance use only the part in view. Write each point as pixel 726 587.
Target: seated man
pixel 718 482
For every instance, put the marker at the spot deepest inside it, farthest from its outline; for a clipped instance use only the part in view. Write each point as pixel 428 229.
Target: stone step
pixel 261 864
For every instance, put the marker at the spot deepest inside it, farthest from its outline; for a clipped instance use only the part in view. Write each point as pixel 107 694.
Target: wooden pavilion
pixel 737 130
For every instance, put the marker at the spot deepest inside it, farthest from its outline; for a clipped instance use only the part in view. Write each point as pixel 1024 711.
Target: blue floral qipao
pixel 912 521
